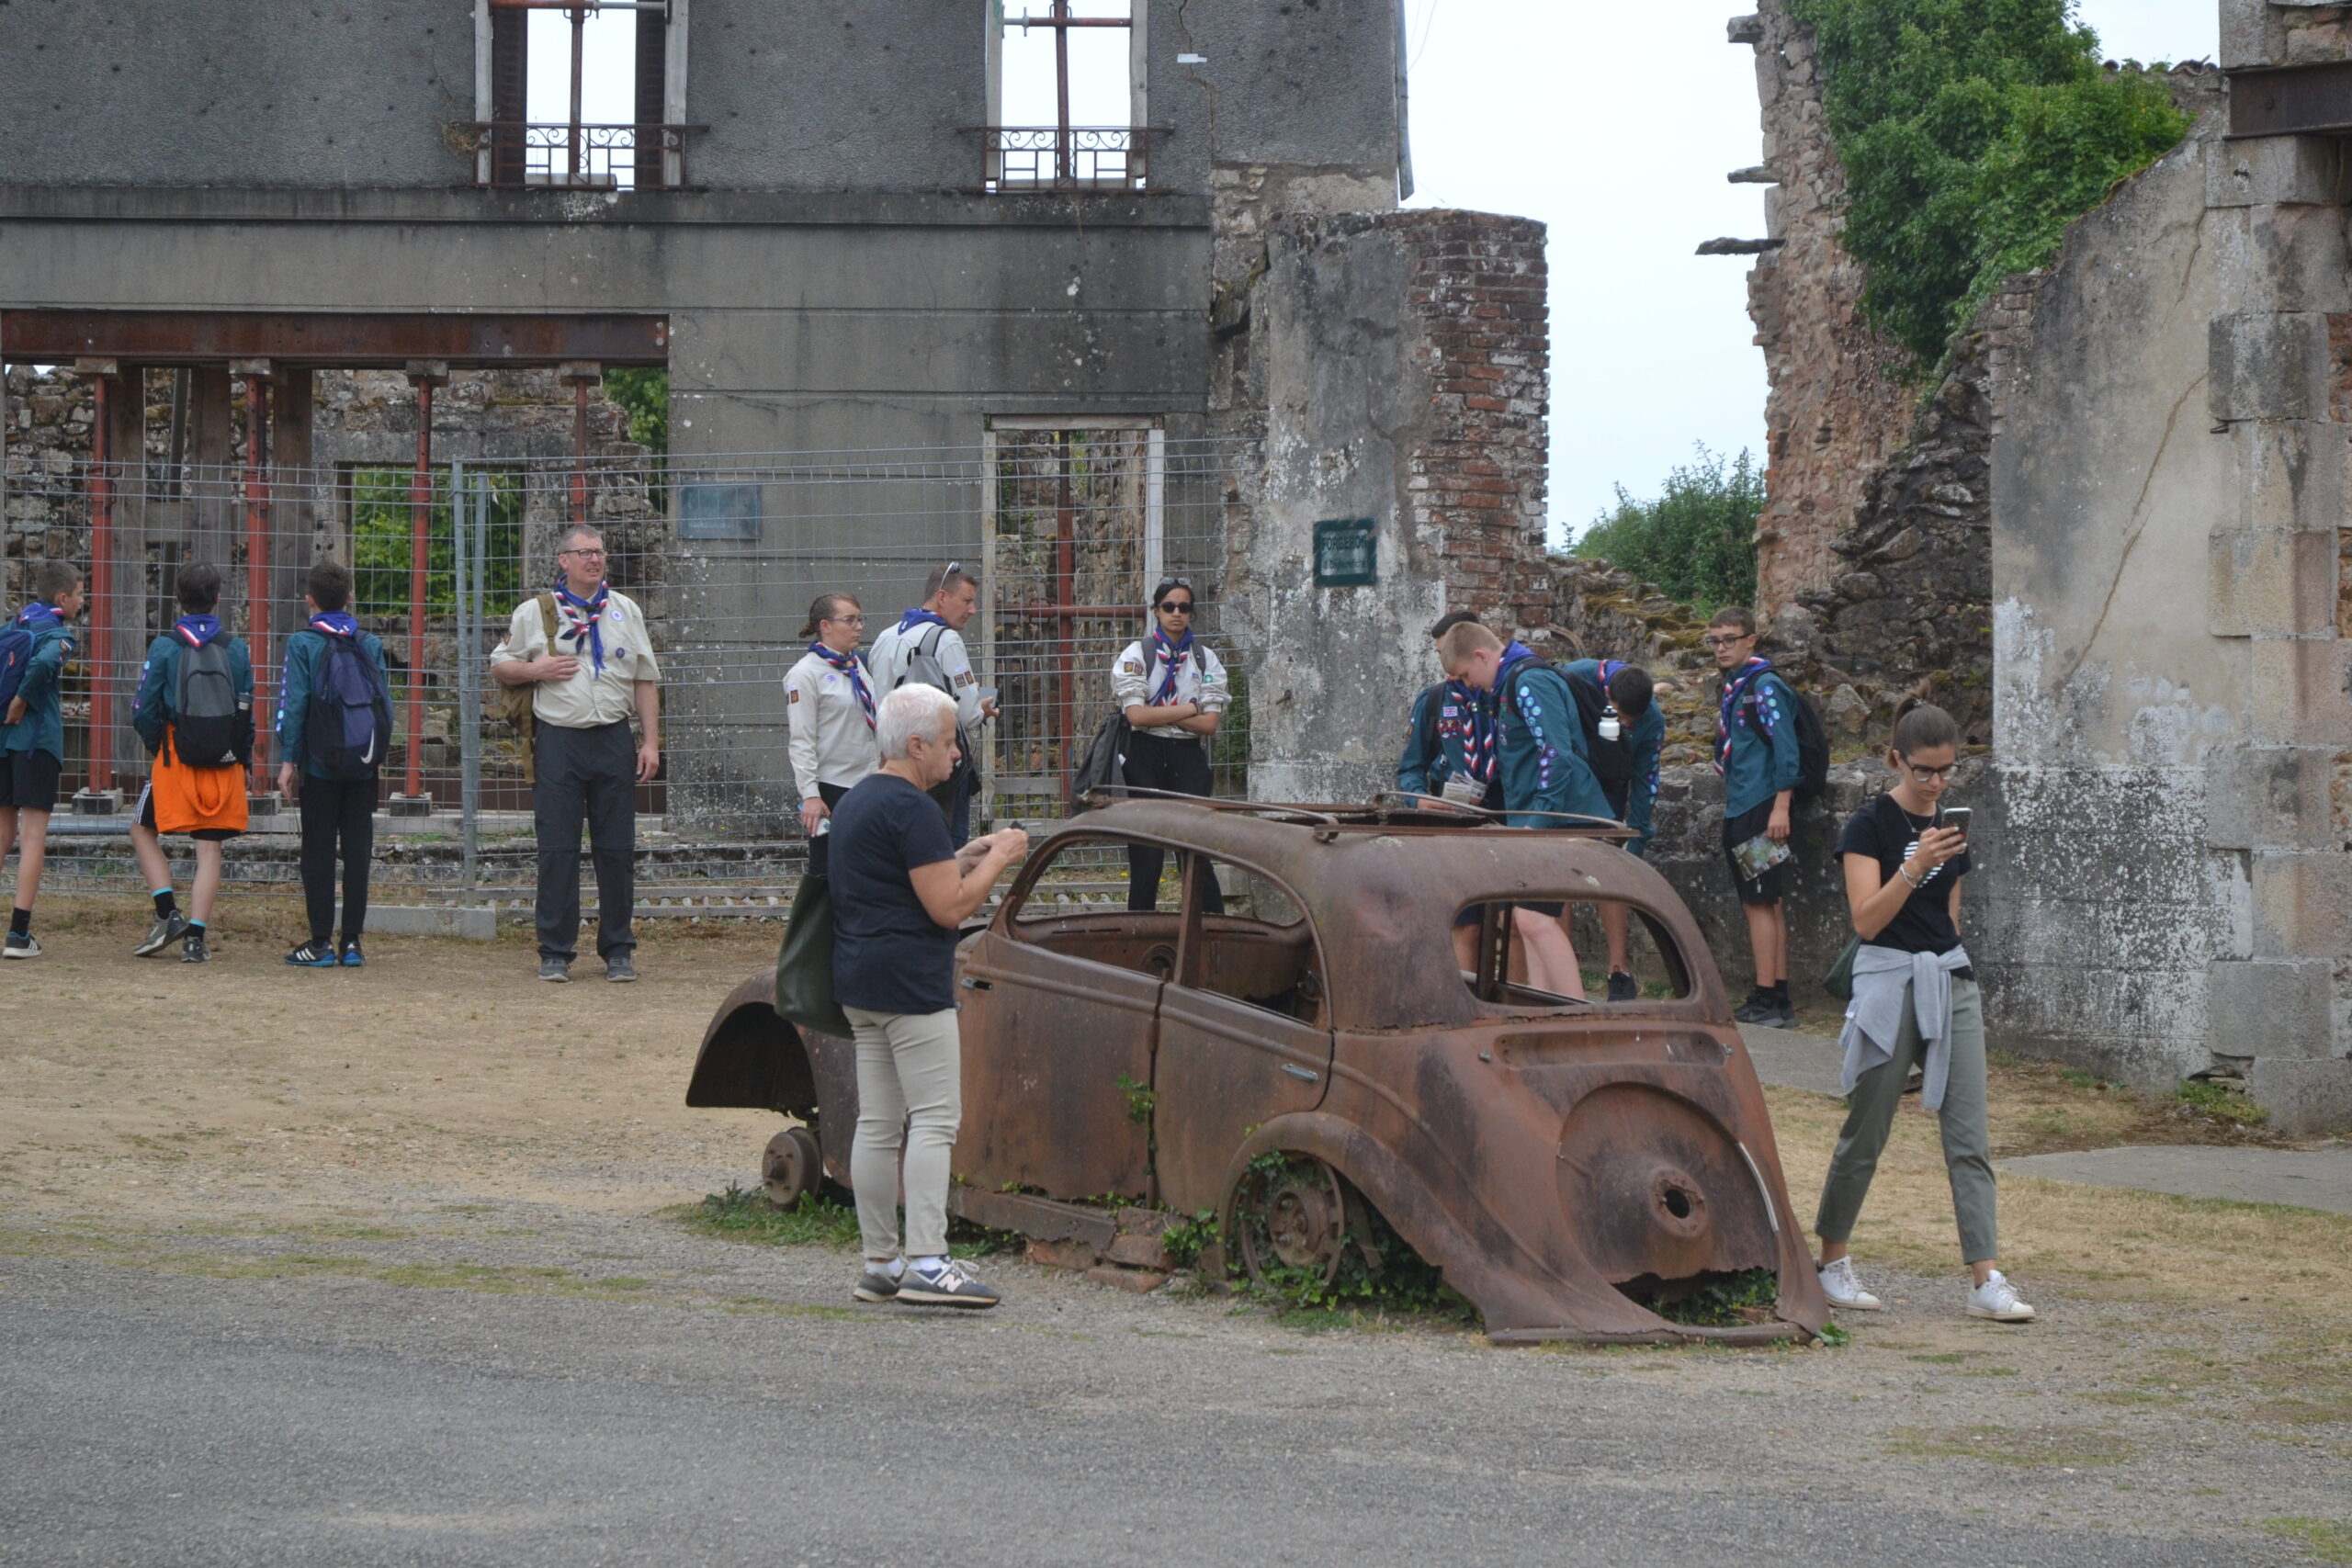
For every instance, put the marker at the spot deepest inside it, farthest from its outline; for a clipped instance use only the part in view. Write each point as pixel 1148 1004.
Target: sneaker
pixel 951 1286
pixel 556 969
pixel 192 948
pixel 619 970
pixel 312 956
pixel 1838 1282
pixel 876 1285
pixel 1997 1298
pixel 352 957
pixel 22 946
pixel 1624 987
pixel 1777 1014
pixel 162 934
pixel 1755 1009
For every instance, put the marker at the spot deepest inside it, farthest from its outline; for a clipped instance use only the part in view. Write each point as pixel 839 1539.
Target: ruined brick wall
pixel 1838 405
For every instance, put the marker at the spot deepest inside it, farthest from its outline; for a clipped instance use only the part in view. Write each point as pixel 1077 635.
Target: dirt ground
pixel 443 1119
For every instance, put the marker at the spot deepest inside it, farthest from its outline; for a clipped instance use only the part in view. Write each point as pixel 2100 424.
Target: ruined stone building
pixel 2116 536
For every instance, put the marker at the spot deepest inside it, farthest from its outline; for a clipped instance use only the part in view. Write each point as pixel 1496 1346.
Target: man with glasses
pixel 1756 753
pixel 584 650
pixel 927 646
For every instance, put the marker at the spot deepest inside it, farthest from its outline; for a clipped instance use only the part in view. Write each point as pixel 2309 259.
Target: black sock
pixel 196 925
pixel 1780 992
pixel 165 904
pixel 20 922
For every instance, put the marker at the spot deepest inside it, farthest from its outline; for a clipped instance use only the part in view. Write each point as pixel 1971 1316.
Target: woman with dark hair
pixel 1915 1002
pixel 1172 688
pixel 828 708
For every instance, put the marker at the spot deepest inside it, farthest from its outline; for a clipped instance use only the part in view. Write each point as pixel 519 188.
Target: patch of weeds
pixel 1378 1273
pixel 1837 1338
pixel 1714 1301
pixel 2328 1541
pixel 1141 1099
pixel 2034 1448
pixel 1183 1241
pixel 744 1213
pixel 2220 1103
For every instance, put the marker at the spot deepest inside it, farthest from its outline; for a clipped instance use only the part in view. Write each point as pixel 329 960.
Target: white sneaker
pixel 1997 1298
pixel 1838 1282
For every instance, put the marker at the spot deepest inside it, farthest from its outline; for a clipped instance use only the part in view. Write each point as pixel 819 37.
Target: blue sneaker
pixel 312 956
pixel 352 957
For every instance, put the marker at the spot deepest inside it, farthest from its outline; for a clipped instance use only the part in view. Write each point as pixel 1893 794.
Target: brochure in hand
pixel 1759 854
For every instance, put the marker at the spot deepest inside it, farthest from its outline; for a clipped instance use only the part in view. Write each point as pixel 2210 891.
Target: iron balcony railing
pixel 1077 157
pixel 564 156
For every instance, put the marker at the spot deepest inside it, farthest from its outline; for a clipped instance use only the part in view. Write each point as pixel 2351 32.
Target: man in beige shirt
pixel 600 670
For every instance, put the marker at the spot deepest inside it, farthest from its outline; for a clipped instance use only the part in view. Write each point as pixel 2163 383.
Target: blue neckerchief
pixel 38 613
pixel 197 630
pixel 1478 747
pixel 336 623
pixel 919 616
pixel 1608 668
pixel 583 619
pixel 850 665
pixel 1170 657
pixel 1735 692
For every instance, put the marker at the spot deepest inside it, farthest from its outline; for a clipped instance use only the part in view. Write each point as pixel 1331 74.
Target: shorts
pixel 147 820
pixel 1768 887
pixel 29 780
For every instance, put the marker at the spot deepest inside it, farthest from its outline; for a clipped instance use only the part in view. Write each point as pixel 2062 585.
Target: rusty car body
pixel 1567 1165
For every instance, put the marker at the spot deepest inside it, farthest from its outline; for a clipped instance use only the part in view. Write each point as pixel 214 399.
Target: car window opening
pixel 1562 953
pixel 1078 906
pixel 1255 943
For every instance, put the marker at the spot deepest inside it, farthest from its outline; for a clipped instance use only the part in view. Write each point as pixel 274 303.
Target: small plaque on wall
pixel 719 512
pixel 1347 553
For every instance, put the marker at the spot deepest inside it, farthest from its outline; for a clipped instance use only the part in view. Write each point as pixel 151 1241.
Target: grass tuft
pixel 744 1213
pixel 2328 1541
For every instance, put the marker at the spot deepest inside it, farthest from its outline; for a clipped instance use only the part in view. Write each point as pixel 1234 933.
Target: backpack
pixel 210 727
pixel 348 724
pixel 1612 761
pixel 15 657
pixel 924 669
pixel 1105 765
pixel 518 704
pixel 1813 743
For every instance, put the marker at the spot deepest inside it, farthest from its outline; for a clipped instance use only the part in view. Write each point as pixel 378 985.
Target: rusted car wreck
pixel 1566 1165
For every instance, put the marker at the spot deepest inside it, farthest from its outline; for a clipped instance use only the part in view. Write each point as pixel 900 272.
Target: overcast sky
pixel 1615 125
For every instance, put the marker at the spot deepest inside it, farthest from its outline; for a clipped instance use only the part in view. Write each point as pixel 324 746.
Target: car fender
pixel 754 1058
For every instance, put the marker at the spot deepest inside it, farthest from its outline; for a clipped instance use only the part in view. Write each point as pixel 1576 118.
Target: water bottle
pixel 1609 728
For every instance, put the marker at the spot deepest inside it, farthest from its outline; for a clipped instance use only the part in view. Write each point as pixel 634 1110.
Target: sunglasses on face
pixel 1174 606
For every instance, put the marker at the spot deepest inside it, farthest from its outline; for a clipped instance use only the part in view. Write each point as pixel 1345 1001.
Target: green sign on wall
pixel 1347 553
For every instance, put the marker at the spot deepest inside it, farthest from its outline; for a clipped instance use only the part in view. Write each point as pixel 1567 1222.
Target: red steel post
pixel 420 519
pixel 257 561
pixel 101 595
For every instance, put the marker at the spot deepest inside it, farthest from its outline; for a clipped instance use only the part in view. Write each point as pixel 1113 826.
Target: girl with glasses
pixel 1172 689
pixel 829 705
pixel 1915 1002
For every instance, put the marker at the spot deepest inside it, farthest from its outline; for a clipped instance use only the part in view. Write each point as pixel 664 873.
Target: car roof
pixel 1381 886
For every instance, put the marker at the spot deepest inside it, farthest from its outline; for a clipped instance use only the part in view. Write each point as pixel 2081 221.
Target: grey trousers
pixel 591 775
pixel 1968 1143
pixel 910 1088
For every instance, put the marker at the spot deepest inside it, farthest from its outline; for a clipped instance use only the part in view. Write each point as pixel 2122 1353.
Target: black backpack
pixel 1612 761
pixel 1813 742
pixel 349 721
pixel 211 726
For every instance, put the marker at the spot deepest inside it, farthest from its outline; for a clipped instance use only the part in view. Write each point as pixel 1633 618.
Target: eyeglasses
pixel 583 555
pixel 844 620
pixel 1934 776
pixel 1174 606
pixel 1732 641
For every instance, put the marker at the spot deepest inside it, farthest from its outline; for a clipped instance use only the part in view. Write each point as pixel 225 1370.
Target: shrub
pixel 1973 132
pixel 1696 541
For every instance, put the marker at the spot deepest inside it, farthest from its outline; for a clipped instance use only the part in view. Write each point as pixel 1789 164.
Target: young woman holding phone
pixel 1915 1003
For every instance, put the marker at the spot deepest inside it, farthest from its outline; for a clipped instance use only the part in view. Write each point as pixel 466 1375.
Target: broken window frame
pixel 506 139
pixel 1100 157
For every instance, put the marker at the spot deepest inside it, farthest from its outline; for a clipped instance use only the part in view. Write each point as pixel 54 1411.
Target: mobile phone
pixel 1955 816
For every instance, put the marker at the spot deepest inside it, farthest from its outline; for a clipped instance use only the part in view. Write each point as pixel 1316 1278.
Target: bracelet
pixel 1905 873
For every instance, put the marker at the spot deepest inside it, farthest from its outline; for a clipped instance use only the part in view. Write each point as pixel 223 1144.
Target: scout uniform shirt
pixel 1543 762
pixel 588 699
pixel 831 741
pixel 896 649
pixel 1201 678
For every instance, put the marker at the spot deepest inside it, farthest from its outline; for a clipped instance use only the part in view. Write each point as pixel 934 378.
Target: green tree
pixel 645 393
pixel 1696 541
pixel 1973 132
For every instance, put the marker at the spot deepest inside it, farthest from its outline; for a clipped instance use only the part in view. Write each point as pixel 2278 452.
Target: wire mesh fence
pixel 1067 526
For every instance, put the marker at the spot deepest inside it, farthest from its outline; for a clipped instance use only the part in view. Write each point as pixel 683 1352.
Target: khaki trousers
pixel 910 1090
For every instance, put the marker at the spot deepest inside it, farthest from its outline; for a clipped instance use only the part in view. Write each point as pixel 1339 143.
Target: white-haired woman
pixel 1172 689
pixel 901 889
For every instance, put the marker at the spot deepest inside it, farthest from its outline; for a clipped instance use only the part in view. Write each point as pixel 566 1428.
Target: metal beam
pixel 2291 100
pixel 332 340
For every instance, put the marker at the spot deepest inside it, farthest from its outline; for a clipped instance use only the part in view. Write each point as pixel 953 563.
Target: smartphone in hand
pixel 1955 817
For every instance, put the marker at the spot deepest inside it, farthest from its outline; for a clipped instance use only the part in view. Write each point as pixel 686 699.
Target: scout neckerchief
pixel 1735 692
pixel 919 616
pixel 1479 745
pixel 197 630
pixel 38 613
pixel 1170 657
pixel 582 620
pixel 852 666
pixel 334 623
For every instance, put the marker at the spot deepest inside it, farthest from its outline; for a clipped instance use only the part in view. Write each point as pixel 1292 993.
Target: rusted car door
pixel 1059 1012
pixel 1244 1029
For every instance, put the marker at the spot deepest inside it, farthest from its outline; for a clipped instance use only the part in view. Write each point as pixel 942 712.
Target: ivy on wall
pixel 1973 132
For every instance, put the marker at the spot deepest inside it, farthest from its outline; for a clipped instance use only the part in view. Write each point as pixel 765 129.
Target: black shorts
pixel 147 820
pixel 1768 887
pixel 29 780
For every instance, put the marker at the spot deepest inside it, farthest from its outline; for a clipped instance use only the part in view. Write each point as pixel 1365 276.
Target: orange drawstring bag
pixel 187 798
